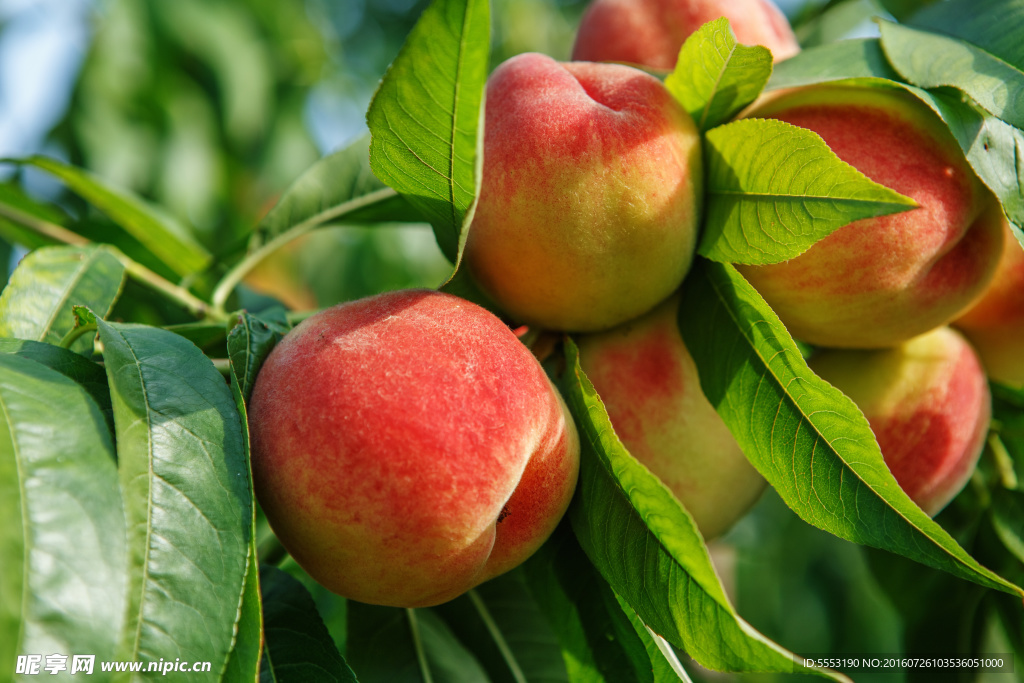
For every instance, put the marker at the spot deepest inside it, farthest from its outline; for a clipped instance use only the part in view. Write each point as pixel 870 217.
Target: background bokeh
pixel 210 108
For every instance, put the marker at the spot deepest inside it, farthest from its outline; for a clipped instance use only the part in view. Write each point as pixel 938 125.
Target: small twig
pixel 45 228
pixel 270 551
pixel 135 270
pixel 223 366
pixel 1003 460
pixel 243 267
pixel 417 641
pixel 74 333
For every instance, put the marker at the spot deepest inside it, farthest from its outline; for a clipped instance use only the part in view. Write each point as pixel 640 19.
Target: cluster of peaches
pixel 409 446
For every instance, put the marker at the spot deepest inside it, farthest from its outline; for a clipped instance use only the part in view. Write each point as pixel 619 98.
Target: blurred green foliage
pixel 210 108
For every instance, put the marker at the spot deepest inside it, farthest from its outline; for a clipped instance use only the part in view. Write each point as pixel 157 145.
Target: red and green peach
pixel 590 199
pixel 995 323
pixel 928 403
pixel 407 447
pixel 880 281
pixel 651 32
pixel 648 381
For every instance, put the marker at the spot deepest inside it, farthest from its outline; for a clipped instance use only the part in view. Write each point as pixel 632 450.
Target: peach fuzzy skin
pixel 648 381
pixel 407 447
pixel 995 323
pixel 879 281
pixel 651 32
pixel 928 404
pixel 589 202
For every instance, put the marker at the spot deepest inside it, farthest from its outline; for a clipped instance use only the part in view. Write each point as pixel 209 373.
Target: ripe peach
pixel 928 403
pixel 880 281
pixel 995 323
pixel 589 203
pixel 407 447
pixel 650 32
pixel 649 384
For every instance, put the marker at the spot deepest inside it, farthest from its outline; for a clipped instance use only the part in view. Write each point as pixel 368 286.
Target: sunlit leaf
pixel 184 482
pixel 340 186
pixel 846 59
pixel 36 304
pixel 715 77
pixel 774 189
pixel 648 548
pixel 929 60
pixel 426 117
pixel 806 438
pixel 159 233
pixel 62 552
pixel 993 25
pixel 994 148
pixel 90 376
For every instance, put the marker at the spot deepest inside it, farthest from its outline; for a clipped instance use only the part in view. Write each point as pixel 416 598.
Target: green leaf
pixel 835 22
pixel 13 197
pixel 504 628
pixel 62 554
pixel 599 640
pixel 298 647
pixel 160 234
pixel 185 486
pixel 838 61
pixel 929 60
pixel 205 335
pixel 338 187
pixel 395 645
pixel 648 548
pixel 90 376
pixel 993 25
pixel 1008 520
pixel 805 437
pixel 775 189
pixel 36 304
pixel 426 117
pixel 244 658
pixel 994 148
pixel 715 77
pixel 250 341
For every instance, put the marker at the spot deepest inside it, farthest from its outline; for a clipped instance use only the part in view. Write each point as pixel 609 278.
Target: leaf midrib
pixel 804 419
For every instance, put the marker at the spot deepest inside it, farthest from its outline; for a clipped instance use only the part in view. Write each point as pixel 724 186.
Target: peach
pixel 928 403
pixel 879 281
pixel 648 381
pixel 589 203
pixel 995 323
pixel 407 447
pixel 651 32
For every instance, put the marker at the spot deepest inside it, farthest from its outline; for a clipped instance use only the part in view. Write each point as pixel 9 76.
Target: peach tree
pixel 132 532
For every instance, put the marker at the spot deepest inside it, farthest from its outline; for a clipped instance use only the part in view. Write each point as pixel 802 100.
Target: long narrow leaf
pixel 426 117
pixel 929 60
pixel 36 304
pixel 648 548
pixel 299 648
pixel 775 189
pixel 62 551
pixel 715 77
pixel 166 239
pixel 806 438
pixel 185 487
